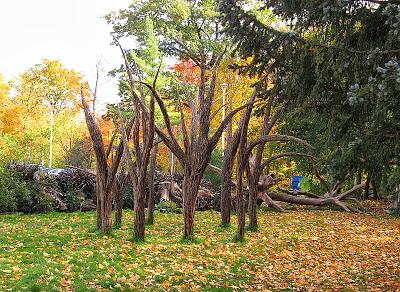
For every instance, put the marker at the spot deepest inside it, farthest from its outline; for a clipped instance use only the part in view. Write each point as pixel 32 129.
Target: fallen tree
pixel 332 198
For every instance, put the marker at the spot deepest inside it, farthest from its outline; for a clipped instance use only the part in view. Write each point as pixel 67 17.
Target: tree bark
pixel 150 200
pixel 119 188
pixel 190 188
pixel 105 200
pixel 139 218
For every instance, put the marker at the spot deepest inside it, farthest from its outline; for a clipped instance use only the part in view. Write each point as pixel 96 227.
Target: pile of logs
pixel 81 183
pixel 170 188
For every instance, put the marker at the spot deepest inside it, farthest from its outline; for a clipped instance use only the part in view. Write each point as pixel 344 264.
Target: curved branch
pixel 281 155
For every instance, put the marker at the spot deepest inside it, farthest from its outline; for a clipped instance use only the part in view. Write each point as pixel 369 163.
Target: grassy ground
pixel 299 250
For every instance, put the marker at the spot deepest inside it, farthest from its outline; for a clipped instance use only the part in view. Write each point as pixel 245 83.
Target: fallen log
pixel 336 200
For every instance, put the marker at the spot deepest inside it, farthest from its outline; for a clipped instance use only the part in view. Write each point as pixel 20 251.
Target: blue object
pixel 296 182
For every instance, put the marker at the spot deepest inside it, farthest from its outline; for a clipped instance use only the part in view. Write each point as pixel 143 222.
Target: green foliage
pixel 183 28
pixel 18 195
pixel 305 184
pixel 168 207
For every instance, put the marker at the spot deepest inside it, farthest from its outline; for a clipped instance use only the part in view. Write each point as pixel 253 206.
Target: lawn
pixel 303 249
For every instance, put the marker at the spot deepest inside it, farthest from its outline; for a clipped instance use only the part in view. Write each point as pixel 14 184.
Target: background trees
pixel 337 64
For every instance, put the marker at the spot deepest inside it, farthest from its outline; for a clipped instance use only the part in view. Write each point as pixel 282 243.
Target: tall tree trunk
pixel 226 186
pixel 150 201
pixel 118 206
pixel 119 189
pixel 190 188
pixel 139 218
pixel 105 205
pixel 252 205
pixel 240 210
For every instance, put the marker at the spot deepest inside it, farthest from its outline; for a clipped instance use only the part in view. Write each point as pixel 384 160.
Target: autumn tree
pixel 52 85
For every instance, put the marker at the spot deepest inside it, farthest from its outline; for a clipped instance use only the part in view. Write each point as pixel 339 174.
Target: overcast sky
pixel 69 30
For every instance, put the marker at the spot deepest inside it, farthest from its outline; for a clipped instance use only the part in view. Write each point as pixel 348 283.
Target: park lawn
pixel 302 249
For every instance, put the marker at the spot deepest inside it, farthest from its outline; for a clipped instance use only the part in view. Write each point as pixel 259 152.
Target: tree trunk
pixel 190 188
pixel 119 188
pixel 226 187
pixel 150 200
pixel 252 207
pixel 139 218
pixel 240 210
pixel 51 137
pixel 105 201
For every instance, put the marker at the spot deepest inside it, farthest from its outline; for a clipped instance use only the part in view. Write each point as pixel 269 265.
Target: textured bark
pixel 150 199
pixel 105 174
pixel 190 188
pixel 118 207
pixel 139 218
pixel 226 188
pixel 119 188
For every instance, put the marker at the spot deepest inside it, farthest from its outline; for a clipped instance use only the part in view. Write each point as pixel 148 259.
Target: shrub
pixel 18 195
pixel 168 207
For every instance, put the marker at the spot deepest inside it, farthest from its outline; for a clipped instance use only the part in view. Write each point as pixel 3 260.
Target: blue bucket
pixel 296 180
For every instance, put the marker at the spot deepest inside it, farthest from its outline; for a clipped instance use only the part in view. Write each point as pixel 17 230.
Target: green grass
pixel 306 248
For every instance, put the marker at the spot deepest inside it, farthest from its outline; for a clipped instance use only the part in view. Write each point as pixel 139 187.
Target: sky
pixel 71 31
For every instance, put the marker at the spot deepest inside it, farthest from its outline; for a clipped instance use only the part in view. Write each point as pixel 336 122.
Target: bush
pixel 18 195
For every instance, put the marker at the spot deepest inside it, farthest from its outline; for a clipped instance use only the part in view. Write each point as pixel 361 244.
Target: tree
pixel 142 139
pixel 105 171
pixel 53 85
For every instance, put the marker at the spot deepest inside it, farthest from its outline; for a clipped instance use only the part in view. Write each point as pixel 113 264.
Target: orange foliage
pixel 188 71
